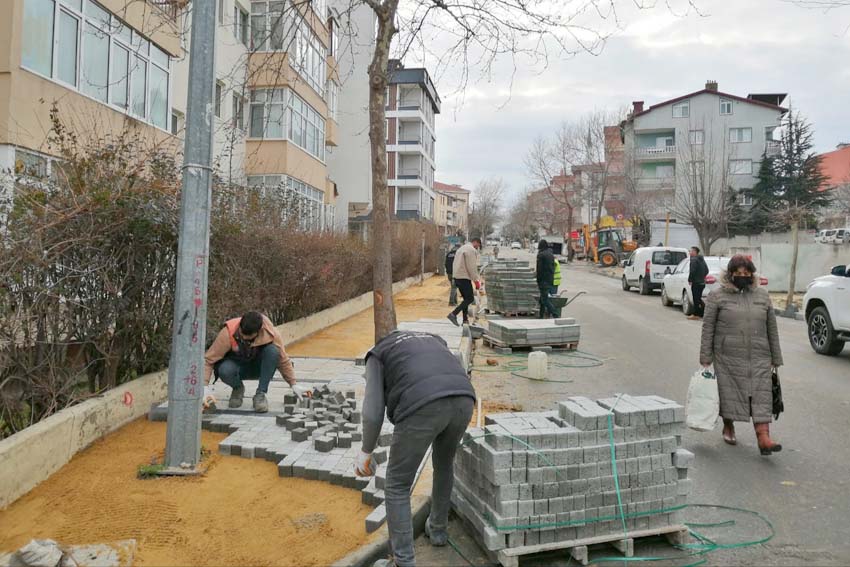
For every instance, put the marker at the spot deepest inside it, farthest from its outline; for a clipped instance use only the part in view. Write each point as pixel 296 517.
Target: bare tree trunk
pixel 381 237
pixel 792 278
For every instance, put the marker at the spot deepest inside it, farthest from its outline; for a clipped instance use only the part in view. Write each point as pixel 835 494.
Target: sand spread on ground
pixel 354 336
pixel 240 513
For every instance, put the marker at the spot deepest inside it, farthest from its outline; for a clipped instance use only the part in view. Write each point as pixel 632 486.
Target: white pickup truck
pixel 827 308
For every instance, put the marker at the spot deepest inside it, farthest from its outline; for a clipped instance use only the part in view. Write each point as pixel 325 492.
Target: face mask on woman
pixel 742 282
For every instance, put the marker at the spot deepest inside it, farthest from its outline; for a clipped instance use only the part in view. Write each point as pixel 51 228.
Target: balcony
pixel 654 183
pixel 656 152
pixel 408 212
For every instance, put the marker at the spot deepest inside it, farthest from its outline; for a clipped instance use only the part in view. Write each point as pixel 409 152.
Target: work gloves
pixel 301 391
pixel 209 398
pixel 363 465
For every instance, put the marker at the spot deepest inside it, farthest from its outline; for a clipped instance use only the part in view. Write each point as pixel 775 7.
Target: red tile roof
pixel 445 187
pixel 713 92
pixel 835 165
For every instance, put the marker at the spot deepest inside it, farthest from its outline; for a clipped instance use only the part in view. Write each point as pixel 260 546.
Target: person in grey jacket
pixel 428 396
pixel 741 339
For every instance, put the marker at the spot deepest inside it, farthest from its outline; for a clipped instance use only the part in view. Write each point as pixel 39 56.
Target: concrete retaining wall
pixel 813 260
pixel 32 455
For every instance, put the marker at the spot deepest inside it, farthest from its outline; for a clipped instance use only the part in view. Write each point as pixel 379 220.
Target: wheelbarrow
pixel 560 301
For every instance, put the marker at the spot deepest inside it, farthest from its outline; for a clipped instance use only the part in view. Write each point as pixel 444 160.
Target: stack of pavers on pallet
pixel 511 288
pixel 534 332
pixel 527 479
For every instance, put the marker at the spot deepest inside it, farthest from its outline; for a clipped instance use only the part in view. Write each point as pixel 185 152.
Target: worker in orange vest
pixel 248 347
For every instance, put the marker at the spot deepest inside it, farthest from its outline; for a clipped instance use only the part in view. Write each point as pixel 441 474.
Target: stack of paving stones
pixel 527 479
pixel 534 332
pixel 511 288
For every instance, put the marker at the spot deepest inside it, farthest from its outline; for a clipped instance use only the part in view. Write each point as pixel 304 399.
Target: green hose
pixel 517 362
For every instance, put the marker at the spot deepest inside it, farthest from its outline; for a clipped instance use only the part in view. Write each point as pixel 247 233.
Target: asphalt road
pixel 650 349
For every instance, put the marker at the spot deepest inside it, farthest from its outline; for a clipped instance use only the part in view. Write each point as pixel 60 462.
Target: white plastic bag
pixel 703 404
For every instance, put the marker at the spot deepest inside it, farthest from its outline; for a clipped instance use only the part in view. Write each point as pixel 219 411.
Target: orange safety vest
pixel 233 326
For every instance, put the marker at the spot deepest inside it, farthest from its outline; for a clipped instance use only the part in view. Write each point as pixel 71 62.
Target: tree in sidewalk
pixel 486 209
pixel 704 191
pixel 520 223
pixel 460 34
pixel 790 187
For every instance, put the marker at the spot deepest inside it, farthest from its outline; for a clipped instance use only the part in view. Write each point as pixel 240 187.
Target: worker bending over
pixel 248 347
pixel 427 395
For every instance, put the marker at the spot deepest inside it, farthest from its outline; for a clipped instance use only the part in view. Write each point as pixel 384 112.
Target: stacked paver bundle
pixel 511 287
pixel 534 332
pixel 527 479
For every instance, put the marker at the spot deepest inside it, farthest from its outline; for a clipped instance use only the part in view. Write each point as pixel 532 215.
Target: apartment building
pixel 350 162
pixel 106 66
pixel 412 103
pixel 111 63
pixel 835 166
pixel 451 212
pixel 707 139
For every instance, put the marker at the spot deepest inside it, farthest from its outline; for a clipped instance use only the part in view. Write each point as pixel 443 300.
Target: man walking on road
pixel 545 278
pixel 696 279
pixel 248 347
pixel 465 272
pixel 450 262
pixel 427 395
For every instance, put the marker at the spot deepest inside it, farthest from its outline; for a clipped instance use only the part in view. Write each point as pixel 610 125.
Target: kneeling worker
pixel 428 397
pixel 248 347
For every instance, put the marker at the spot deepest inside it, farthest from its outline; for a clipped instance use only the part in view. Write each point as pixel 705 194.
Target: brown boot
pixel 729 432
pixel 766 444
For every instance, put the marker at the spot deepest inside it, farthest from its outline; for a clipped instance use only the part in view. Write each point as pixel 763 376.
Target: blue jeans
pixel 440 424
pixel 232 370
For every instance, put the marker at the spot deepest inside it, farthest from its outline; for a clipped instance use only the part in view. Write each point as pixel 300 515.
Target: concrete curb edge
pixel 380 548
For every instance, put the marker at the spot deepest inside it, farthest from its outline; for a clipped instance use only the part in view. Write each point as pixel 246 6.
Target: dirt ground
pixel 188 521
pixel 355 335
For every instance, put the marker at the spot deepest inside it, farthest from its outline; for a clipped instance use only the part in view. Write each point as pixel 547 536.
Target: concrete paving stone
pixel 300 434
pixel 376 519
pixel 683 458
pixel 324 444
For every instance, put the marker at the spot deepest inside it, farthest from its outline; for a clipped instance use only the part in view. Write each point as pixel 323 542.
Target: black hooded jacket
pixel 545 265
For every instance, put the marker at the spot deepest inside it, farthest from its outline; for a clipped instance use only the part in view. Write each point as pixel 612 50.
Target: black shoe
pixel 453 318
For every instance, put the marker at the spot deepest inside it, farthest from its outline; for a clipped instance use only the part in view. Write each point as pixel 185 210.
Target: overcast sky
pixel 748 46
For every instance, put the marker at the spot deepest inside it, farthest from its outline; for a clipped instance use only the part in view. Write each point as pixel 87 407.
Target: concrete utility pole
pixel 188 341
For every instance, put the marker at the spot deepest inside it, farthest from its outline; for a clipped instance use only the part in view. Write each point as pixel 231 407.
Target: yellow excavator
pixel 606 246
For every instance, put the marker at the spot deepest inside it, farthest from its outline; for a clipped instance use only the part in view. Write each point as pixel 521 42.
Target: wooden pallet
pixel 558 347
pixel 577 549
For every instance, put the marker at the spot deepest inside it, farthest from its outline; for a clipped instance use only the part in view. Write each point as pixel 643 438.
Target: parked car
pixel 676 291
pixel 842 236
pixel 516 245
pixel 646 267
pixel 827 308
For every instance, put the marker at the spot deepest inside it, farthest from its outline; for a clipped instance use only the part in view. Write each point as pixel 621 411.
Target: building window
pixel 176 122
pixel 725 106
pixel 299 201
pixel 768 133
pixel 696 137
pixel 268 114
pixel 332 92
pixel 740 135
pixel 745 198
pixel 308 57
pixel 664 171
pixel 240 25
pixel 697 168
pixel 333 48
pixel 307 127
pixel 221 11
pixel 741 166
pixel 85 47
pixel 682 109
pixel 30 165
pixel 271 26
pixel 238 116
pixel 219 90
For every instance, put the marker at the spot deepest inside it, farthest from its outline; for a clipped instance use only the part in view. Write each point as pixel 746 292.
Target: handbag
pixel 778 404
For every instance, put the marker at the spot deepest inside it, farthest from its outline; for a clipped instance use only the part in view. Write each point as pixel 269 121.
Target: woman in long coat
pixel 741 339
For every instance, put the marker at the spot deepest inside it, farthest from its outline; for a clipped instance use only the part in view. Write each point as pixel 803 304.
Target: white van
pixel 646 267
pixel 842 236
pixel 826 236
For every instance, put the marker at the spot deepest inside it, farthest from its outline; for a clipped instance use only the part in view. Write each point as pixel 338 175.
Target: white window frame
pixel 267 103
pixel 218 98
pixel 667 167
pixel 696 168
pixel 746 199
pixel 121 36
pixel 735 167
pixel 696 137
pixel 741 135
pixel 684 108
pixel 237 118
pixel 241 30
pixel 725 102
